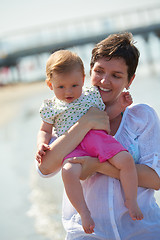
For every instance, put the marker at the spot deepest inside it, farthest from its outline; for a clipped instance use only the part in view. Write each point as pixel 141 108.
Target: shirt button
pixel 110 208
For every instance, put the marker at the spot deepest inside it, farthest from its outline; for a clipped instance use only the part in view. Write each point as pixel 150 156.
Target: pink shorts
pixel 97 143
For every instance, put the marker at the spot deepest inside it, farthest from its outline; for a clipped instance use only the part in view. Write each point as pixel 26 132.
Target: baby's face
pixel 68 86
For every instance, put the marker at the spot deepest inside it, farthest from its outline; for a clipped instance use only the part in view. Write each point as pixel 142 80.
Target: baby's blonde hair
pixel 63 61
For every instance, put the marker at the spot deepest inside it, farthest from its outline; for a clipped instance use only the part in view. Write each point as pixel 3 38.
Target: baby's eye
pixel 61 87
pixel 75 85
pixel 98 71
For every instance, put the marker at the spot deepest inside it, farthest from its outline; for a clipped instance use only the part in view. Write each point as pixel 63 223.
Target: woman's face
pixel 111 77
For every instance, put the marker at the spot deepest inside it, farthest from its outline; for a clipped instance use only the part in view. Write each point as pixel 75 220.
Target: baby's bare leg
pixel 128 177
pixel 71 178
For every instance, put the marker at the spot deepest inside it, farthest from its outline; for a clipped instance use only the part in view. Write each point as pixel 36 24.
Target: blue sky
pixel 21 14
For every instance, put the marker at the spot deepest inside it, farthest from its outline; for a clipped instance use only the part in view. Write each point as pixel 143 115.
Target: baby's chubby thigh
pixel 73 169
pixel 77 152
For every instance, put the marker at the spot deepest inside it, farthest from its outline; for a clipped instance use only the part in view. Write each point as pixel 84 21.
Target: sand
pixel 12 95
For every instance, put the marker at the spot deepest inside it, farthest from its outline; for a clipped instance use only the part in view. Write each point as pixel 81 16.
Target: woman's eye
pixel 115 76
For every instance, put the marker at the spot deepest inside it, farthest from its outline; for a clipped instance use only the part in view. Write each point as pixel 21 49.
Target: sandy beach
pixel 12 95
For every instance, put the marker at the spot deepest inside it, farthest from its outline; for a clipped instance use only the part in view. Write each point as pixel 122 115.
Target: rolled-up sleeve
pixel 149 138
pixel 47 175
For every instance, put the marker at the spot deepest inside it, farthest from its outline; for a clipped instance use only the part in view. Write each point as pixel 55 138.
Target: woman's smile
pixel 105 89
pixel 111 77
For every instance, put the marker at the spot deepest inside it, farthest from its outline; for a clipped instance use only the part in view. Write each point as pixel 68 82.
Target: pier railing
pixel 77 32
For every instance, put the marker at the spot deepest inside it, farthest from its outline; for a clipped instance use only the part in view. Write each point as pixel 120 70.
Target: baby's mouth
pixel 69 98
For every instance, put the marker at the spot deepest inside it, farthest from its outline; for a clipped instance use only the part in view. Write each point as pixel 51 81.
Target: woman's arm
pixel 93 119
pixel 147 177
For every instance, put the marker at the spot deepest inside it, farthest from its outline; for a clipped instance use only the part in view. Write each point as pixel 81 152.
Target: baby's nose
pixel 68 90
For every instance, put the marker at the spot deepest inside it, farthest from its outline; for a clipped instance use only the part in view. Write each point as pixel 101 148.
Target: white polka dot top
pixel 63 115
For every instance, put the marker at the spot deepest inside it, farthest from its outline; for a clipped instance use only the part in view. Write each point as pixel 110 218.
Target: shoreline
pixel 13 94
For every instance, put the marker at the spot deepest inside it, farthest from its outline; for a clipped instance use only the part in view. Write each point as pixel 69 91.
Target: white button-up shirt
pixel 139 132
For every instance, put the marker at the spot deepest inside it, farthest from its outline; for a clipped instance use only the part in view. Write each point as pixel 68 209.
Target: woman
pixel 113 65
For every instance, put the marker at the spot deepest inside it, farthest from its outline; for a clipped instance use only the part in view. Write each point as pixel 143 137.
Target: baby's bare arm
pixel 45 133
pixel 43 138
pixel 123 101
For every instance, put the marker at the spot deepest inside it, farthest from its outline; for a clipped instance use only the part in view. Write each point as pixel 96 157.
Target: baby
pixel 65 76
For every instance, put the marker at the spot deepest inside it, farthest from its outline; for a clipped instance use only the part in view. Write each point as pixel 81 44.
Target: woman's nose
pixel 105 79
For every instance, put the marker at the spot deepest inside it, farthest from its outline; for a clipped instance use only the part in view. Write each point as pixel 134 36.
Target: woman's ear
pixel 130 82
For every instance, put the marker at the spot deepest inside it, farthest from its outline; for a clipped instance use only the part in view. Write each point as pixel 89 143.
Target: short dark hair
pixel 119 45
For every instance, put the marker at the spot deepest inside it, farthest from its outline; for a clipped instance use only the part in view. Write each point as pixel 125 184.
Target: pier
pixel 14 46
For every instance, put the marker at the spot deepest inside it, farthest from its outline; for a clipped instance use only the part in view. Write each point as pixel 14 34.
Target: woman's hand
pixel 89 165
pixel 97 119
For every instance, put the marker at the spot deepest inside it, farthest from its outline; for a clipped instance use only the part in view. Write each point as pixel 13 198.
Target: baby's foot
pixel 87 223
pixel 134 210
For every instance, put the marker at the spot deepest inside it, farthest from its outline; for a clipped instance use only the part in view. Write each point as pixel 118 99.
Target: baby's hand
pixel 125 99
pixel 41 151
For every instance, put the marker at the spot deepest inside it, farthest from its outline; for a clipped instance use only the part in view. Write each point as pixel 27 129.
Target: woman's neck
pixel 114 124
